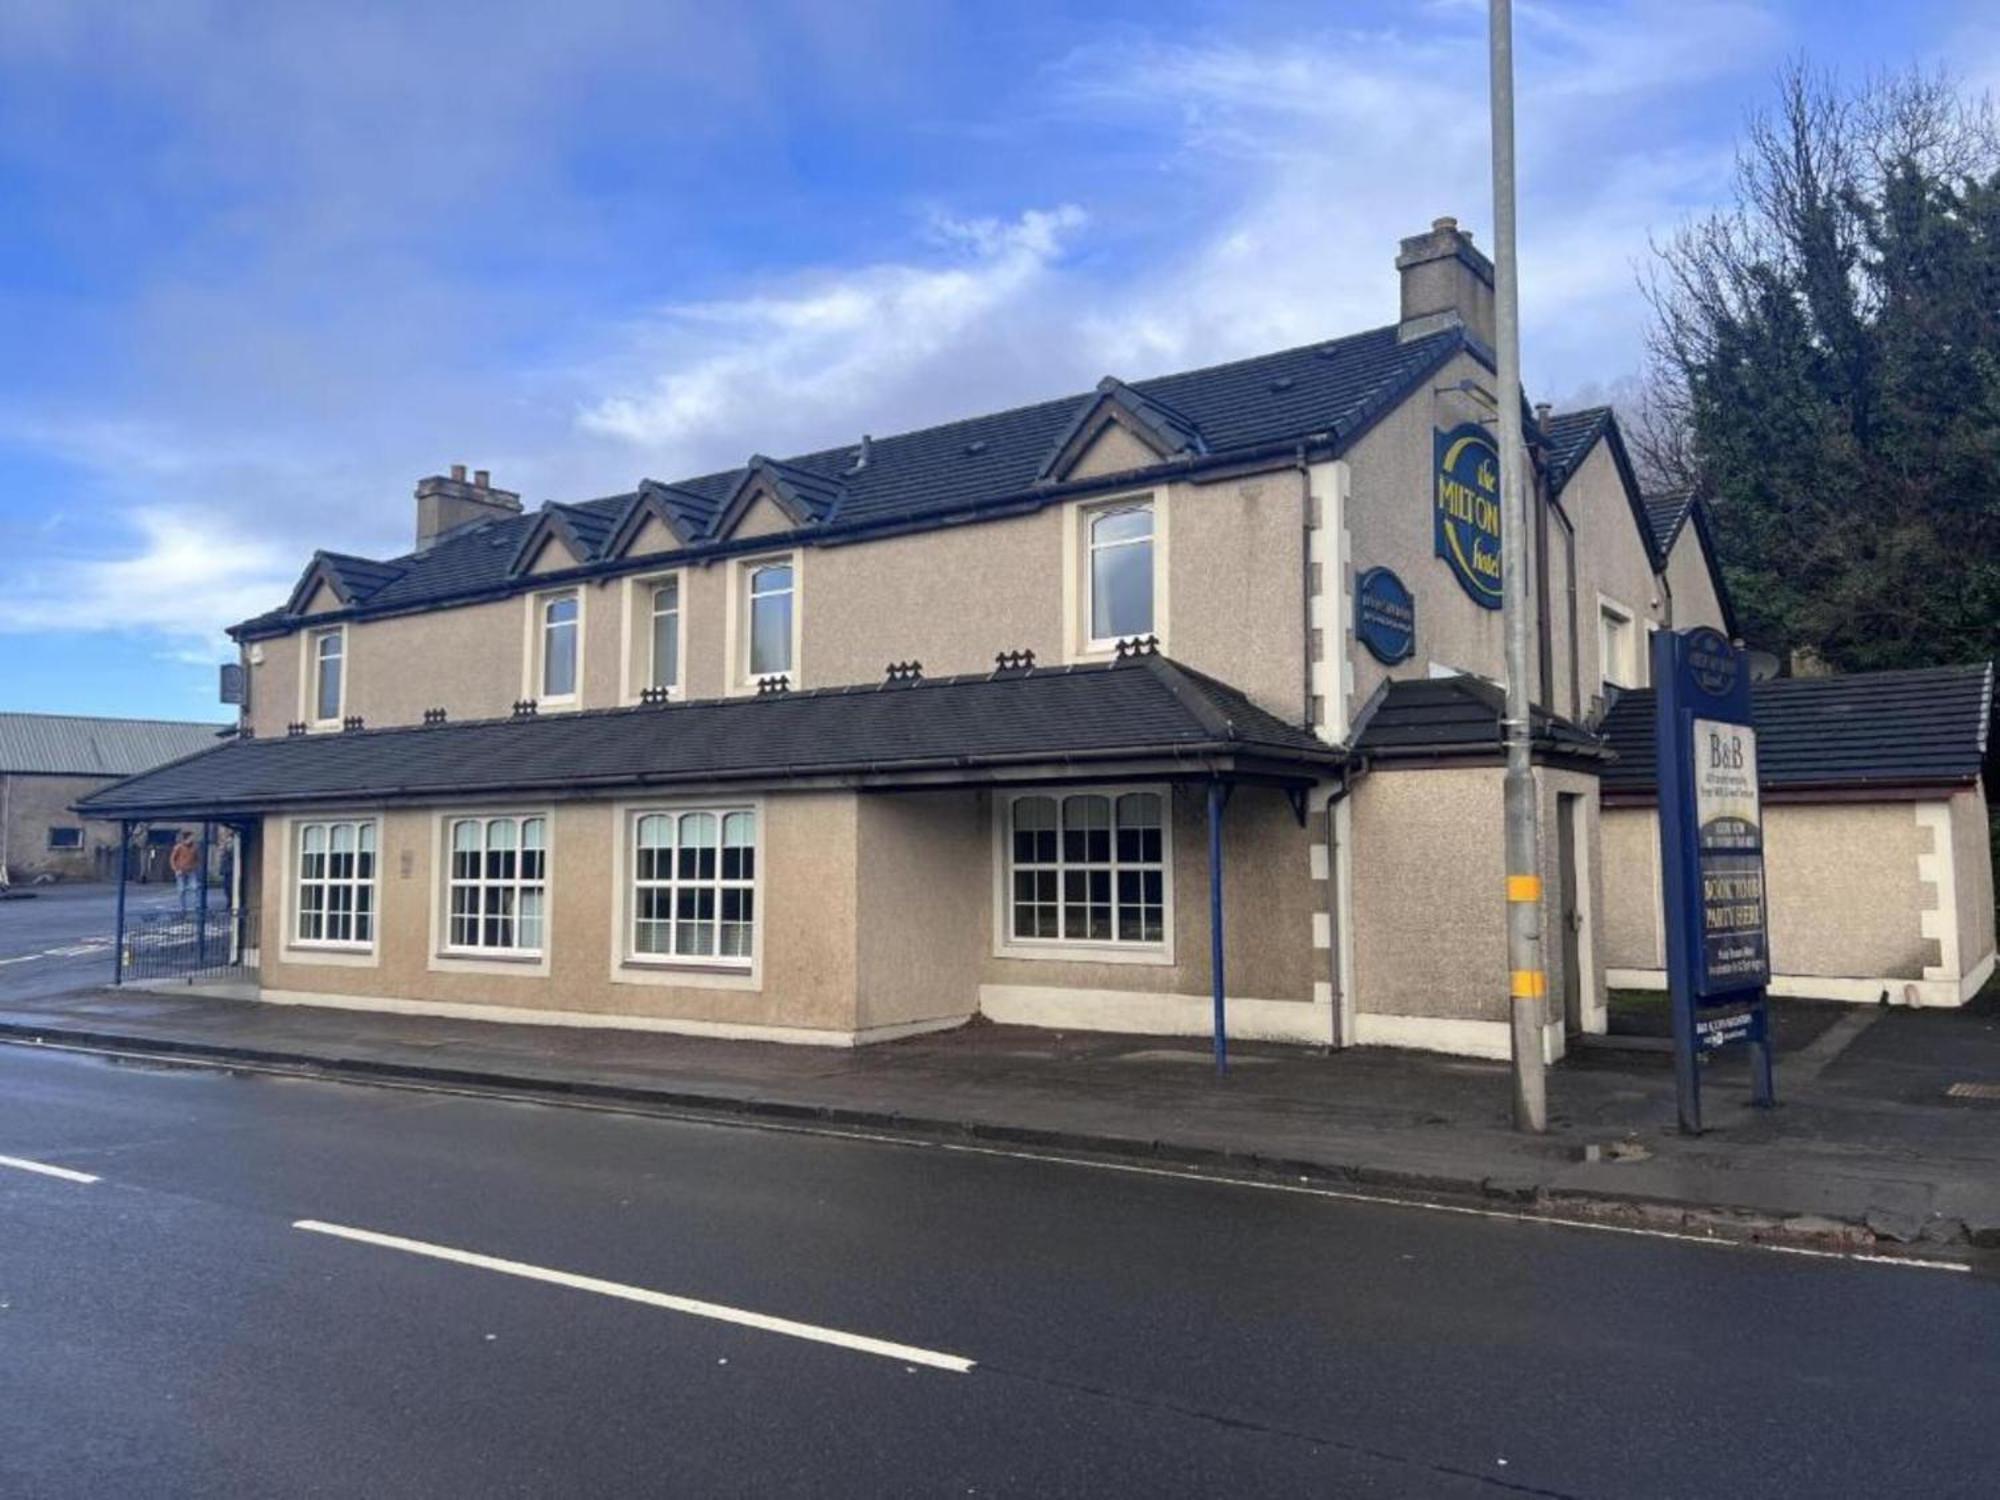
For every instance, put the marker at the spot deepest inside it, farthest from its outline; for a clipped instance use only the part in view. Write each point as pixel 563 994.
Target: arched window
pixel 666 634
pixel 559 646
pixel 1121 573
pixel 770 590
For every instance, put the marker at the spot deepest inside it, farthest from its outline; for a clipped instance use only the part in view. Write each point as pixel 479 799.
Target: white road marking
pixel 65 1173
pixel 918 1143
pixel 908 1354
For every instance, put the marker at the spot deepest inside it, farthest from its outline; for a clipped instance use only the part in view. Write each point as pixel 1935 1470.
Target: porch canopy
pixel 1143 715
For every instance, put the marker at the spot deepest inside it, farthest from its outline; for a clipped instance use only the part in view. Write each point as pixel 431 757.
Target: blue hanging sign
pixel 1466 507
pixel 1385 616
pixel 1712 858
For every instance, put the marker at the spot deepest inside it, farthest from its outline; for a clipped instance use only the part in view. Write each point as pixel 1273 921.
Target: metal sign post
pixel 1711 860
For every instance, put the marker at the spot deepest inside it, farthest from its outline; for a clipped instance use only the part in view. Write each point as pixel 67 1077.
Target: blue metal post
pixel 1215 801
pixel 201 897
pixel 118 933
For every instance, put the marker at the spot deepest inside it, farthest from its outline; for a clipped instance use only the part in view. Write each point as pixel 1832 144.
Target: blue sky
pixel 266 264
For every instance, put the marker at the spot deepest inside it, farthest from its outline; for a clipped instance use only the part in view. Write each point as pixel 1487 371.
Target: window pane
pixel 666 647
pixel 327 704
pixel 559 647
pixel 771 634
pixel 1133 525
pixel 529 929
pixel 1034 830
pixel 1139 828
pixel 1121 590
pixel 1086 830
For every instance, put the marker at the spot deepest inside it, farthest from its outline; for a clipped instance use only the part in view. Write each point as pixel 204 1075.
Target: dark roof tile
pixel 1145 707
pixel 1929 725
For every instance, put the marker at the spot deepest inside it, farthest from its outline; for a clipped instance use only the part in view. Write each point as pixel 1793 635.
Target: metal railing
pixel 176 945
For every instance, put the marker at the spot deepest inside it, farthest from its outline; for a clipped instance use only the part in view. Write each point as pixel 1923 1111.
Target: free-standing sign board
pixel 1711 859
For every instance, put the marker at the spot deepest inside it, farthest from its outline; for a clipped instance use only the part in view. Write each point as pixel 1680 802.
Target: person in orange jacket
pixel 185 862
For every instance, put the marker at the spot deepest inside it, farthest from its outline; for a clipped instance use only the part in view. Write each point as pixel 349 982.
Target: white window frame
pixel 737 634
pixel 1629 620
pixel 295 884
pixel 534 645
pixel 309 662
pixel 1084 950
pixel 707 970
pixel 635 647
pixel 481 883
pixel 1078 612
pixel 65 848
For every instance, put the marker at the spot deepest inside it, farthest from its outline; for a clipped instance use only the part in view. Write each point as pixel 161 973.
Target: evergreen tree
pixel 1827 371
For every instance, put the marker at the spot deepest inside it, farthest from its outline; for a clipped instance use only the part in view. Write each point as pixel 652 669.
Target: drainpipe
pixel 1306 585
pixel 1333 949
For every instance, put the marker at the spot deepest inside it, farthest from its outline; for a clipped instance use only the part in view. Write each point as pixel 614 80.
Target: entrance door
pixel 1569 908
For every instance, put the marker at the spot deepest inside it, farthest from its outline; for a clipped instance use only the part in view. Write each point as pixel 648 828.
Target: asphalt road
pixel 170 1329
pixel 56 938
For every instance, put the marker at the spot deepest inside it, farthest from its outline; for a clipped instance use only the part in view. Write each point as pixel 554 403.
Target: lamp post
pixel 1527 978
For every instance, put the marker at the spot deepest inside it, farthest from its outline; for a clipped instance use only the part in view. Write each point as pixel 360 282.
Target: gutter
pixel 1198 757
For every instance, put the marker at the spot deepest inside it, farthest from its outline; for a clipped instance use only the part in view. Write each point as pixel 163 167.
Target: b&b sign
pixel 1711 859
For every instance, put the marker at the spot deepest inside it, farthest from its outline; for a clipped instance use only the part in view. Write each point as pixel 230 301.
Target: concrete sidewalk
pixel 1870 1147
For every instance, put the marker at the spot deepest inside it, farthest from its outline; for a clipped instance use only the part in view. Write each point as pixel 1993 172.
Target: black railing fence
pixel 174 945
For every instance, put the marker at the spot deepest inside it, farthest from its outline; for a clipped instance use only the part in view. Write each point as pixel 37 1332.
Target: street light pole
pixel 1528 980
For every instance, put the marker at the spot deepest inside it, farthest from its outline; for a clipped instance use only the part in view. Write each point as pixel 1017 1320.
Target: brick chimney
pixel 444 504
pixel 1446 283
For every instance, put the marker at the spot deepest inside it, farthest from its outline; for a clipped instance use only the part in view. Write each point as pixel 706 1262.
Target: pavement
pixel 228 1283
pixel 1869 1148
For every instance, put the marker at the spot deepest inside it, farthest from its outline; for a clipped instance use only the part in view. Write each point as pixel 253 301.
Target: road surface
pixel 58 937
pixel 281 1286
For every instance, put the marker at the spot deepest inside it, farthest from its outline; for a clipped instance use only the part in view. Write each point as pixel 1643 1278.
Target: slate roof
pixel 1449 718
pixel 1329 392
pixel 1145 707
pixel 72 745
pixel 1927 726
pixel 1570 436
pixel 1666 513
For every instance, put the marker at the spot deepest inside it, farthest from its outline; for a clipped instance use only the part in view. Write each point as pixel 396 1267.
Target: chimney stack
pixel 446 504
pixel 1446 283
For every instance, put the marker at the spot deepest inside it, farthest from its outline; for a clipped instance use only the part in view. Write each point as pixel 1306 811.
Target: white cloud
pixel 184 577
pixel 785 361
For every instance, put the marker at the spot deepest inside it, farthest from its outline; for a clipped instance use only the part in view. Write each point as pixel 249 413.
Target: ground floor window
pixel 336 883
pixel 498 879
pixel 694 885
pixel 61 837
pixel 1087 867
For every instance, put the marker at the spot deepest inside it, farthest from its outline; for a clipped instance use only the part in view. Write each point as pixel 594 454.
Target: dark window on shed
pixel 63 837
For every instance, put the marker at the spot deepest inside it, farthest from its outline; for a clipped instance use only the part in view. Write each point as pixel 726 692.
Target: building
pixel 48 762
pixel 1877 860
pixel 1086 714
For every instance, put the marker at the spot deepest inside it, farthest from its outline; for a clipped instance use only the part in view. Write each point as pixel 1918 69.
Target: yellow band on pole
pixel 1524 887
pixel 1530 984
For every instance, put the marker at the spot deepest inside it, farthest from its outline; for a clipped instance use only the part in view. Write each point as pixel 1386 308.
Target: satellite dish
pixel 1764 665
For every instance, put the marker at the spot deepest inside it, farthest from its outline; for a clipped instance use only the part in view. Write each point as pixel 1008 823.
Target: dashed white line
pixel 22 1164
pixel 907 1353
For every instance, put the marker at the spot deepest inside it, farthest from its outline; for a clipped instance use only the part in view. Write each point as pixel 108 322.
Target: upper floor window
pixel 498 885
pixel 559 645
pixel 666 634
pixel 336 883
pixel 771 587
pixel 1120 573
pixel 1617 644
pixel 329 649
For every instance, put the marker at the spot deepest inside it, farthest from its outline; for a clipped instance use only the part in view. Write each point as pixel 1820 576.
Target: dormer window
pixel 1120 573
pixel 560 625
pixel 770 633
pixel 329 676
